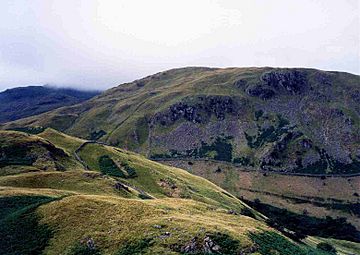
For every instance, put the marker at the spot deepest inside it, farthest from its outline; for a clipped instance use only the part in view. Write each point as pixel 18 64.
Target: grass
pixel 83 249
pixel 119 221
pixel 342 247
pixel 74 181
pixel 20 227
pixel 271 243
pixel 67 143
pixel 150 173
pixel 23 149
pixel 85 205
pixel 137 247
pixel 118 226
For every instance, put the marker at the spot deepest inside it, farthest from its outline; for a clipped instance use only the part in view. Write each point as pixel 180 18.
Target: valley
pixel 317 196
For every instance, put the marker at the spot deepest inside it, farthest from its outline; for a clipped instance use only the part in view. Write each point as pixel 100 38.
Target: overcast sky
pixel 100 44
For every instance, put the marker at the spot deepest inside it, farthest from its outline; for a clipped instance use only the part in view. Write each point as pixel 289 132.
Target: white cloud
pixel 103 43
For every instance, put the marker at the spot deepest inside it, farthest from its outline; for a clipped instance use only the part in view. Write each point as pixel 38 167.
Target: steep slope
pixel 124 204
pixel 126 170
pixel 22 102
pixel 21 152
pixel 276 119
pixel 313 198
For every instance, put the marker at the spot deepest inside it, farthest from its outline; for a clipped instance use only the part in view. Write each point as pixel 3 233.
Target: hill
pixel 111 201
pixel 22 102
pixel 274 119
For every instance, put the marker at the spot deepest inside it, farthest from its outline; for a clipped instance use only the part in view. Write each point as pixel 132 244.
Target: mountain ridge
pixel 20 102
pixel 261 115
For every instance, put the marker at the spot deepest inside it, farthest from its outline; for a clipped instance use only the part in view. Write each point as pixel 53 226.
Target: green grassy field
pixel 158 210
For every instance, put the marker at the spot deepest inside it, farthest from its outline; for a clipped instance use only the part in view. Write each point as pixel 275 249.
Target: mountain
pixel 22 102
pixel 63 195
pixel 291 120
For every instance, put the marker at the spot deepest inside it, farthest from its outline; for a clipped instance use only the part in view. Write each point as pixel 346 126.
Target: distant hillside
pixel 276 119
pixel 22 102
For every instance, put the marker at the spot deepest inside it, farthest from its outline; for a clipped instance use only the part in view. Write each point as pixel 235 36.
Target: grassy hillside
pixel 276 119
pixel 22 152
pixel 122 204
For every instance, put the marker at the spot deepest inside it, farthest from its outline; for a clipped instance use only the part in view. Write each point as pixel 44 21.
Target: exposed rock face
pixel 278 144
pixel 274 82
pixel 261 92
pixel 240 83
pixel 292 80
pixel 196 246
pixel 90 243
pixel 214 243
pixel 306 143
pixel 191 247
pixel 210 246
pixel 198 112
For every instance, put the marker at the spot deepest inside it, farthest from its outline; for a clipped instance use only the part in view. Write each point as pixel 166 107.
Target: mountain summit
pixel 278 119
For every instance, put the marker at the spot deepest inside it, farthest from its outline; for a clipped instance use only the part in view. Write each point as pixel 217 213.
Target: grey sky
pixel 100 44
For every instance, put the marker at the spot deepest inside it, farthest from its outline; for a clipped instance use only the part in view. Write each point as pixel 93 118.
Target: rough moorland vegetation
pixel 275 119
pixel 93 210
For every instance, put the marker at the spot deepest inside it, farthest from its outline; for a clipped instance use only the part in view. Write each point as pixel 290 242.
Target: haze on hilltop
pixel 100 44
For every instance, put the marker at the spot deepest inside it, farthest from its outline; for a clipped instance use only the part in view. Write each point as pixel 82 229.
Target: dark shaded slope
pixel 22 102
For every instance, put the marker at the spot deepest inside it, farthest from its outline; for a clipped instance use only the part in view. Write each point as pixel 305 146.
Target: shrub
pixel 247 212
pixel 244 161
pixel 258 114
pixel 272 243
pixel 144 196
pixel 96 135
pixel 21 232
pixel 269 134
pixel 326 247
pixel 108 166
pixel 222 148
pixel 304 225
pixel 135 247
pixel 130 171
pixel 16 155
pixel 227 243
pixel 30 130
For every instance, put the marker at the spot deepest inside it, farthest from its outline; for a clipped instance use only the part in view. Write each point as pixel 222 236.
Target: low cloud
pixel 100 44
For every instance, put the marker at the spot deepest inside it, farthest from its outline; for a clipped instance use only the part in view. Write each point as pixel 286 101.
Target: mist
pixel 100 44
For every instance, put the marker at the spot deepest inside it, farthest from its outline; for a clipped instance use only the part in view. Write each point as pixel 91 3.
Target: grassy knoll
pixel 73 211
pixel 67 143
